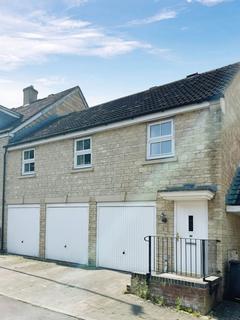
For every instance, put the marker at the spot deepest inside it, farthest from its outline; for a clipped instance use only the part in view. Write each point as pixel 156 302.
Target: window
pixel 83 153
pixel 160 140
pixel 28 161
pixel 190 223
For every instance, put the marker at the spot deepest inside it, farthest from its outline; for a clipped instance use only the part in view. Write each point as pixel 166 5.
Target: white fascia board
pixel 83 98
pixel 9 112
pixel 187 195
pixel 233 209
pixel 36 116
pixel 120 124
pixel 4 135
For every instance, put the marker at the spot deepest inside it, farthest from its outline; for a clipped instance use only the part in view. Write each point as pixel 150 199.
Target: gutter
pixel 3 198
pixel 154 116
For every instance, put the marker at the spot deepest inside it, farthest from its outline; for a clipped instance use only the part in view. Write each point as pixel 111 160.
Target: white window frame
pixel 25 161
pixel 160 139
pixel 82 152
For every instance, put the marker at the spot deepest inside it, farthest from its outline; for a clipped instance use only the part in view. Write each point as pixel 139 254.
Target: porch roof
pixel 189 192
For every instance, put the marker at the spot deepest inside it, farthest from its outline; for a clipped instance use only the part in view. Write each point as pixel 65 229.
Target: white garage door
pixel 23 229
pixel 120 235
pixel 67 233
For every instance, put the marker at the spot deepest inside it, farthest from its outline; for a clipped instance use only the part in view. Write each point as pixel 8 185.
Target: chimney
pixel 29 95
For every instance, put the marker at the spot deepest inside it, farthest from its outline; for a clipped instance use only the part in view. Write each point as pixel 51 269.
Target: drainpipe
pixel 3 198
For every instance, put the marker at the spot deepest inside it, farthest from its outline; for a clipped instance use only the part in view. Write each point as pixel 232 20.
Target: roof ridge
pixel 184 92
pixel 169 83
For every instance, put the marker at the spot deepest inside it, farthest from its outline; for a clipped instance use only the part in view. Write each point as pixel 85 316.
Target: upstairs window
pixel 83 153
pixel 28 161
pixel 160 140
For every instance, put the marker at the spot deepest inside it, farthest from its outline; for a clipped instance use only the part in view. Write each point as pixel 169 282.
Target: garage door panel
pixel 140 222
pixel 121 232
pixel 23 230
pixel 109 228
pixel 67 234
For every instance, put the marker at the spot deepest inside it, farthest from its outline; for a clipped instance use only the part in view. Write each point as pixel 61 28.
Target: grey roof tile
pixel 190 187
pixel 233 196
pixel 40 104
pixel 195 89
pixel 30 110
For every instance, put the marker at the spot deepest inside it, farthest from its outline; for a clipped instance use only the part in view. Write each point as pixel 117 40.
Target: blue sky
pixel 111 48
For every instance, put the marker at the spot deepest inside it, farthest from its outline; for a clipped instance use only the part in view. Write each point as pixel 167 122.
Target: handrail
pixel 185 256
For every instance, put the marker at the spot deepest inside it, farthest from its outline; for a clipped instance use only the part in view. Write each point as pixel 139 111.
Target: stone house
pixel 33 114
pixel 159 165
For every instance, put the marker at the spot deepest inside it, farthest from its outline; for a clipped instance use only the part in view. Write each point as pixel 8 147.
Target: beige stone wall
pixel 230 146
pixel 70 104
pixel 120 171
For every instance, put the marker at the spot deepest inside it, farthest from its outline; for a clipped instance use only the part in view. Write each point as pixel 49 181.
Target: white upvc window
pixel 160 140
pixel 83 153
pixel 28 161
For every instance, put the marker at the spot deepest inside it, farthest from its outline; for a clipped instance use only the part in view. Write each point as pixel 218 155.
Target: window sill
pixel 157 161
pixel 88 169
pixel 27 176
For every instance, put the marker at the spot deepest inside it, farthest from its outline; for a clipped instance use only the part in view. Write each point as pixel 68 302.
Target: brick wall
pixel 179 293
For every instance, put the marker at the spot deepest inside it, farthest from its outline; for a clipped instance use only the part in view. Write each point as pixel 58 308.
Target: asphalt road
pixel 11 309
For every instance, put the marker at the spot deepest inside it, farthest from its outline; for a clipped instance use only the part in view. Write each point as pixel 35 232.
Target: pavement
pixel 31 289
pixel 12 309
pixel 228 310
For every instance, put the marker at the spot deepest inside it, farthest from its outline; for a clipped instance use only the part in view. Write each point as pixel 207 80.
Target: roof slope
pixel 40 104
pixel 233 196
pixel 30 110
pixel 10 111
pixel 195 89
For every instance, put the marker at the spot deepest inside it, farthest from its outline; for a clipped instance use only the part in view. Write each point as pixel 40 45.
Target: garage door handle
pixel 22 241
pixel 65 246
pixel 124 252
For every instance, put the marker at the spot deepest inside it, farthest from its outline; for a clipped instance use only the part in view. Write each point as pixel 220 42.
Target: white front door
pixel 23 225
pixel 67 232
pixel 120 235
pixel 191 228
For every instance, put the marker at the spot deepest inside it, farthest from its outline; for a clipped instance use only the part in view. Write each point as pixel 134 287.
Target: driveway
pixel 17 310
pixel 52 291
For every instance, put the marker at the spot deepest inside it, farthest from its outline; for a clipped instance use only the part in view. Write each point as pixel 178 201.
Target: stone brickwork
pixel 230 154
pixel 71 103
pixel 120 171
pixel 207 153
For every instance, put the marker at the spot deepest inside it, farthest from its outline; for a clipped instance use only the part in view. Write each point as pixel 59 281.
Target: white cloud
pixel 184 28
pixel 5 81
pixel 74 3
pixel 33 38
pixel 11 91
pixel 49 82
pixel 209 3
pixel 163 15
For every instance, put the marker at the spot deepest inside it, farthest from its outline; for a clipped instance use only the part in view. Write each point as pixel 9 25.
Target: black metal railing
pixel 184 256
